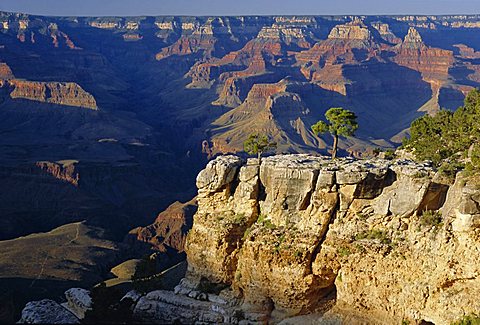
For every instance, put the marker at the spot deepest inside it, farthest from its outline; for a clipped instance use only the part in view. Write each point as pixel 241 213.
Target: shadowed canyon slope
pixel 108 120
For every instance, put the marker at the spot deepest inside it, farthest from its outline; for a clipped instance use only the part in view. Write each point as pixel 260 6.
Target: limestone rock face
pixel 160 307
pixel 231 217
pixel 219 173
pixel 386 33
pixel 351 31
pixel 47 312
pixel 463 205
pixel 290 234
pixel 407 268
pixel 285 34
pixel 413 37
pixel 78 301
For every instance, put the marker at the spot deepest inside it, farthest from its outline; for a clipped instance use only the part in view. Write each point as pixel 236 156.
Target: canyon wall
pixel 58 93
pixel 373 240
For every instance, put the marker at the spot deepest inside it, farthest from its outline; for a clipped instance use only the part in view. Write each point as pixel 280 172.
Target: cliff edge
pixel 304 239
pixel 376 240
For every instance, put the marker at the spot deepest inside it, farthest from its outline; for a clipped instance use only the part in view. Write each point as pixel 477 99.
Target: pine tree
pixel 341 122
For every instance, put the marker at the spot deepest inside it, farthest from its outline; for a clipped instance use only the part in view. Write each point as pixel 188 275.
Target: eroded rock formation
pixel 275 109
pixel 431 62
pixel 167 235
pixel 288 236
pixel 60 93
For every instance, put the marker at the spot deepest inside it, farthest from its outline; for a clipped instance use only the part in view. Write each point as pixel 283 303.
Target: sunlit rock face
pixel 285 235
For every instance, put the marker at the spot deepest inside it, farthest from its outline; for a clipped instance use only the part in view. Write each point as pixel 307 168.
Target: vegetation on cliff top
pixel 256 144
pixel 449 138
pixel 341 122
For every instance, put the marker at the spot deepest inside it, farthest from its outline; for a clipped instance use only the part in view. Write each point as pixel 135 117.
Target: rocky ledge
pixel 372 239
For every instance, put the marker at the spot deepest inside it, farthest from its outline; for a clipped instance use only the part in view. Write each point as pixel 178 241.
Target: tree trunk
pixel 259 158
pixel 335 144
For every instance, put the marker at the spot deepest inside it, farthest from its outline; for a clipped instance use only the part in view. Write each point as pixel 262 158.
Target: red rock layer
pixel 261 92
pixel 66 173
pixel 189 45
pixel 237 87
pixel 69 93
pixel 467 52
pixel 170 227
pixel 5 72
pixel 431 62
pixel 323 63
pixel 251 59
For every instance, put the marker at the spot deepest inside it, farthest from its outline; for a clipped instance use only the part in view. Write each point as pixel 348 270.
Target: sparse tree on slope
pixel 341 122
pixel 256 144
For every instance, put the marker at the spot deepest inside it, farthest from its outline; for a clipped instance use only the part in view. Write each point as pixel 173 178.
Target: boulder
pixel 78 301
pixel 47 312
pixel 218 173
pixel 160 307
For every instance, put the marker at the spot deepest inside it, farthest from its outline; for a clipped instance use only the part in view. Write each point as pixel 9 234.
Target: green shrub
pixel 361 216
pixel 390 154
pixel 239 218
pixel 419 174
pixel 261 218
pixel 468 320
pixel 145 268
pixel 278 244
pixel 374 234
pixel 343 251
pixel 246 233
pixel 431 218
pixel 267 223
pixel 151 283
pixel 145 278
pixel 360 248
pixel 446 135
pixel 339 277
pixel 449 169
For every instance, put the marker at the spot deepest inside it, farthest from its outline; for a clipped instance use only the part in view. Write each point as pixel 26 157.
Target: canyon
pixel 106 121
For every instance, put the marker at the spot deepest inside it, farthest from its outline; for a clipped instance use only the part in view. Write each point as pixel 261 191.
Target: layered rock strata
pixel 382 240
pixel 59 93
pixel 433 63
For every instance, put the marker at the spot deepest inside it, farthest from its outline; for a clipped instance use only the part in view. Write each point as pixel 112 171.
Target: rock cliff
pixel 431 62
pixel 352 31
pixel 167 234
pixel 275 109
pixel 59 93
pixel 384 241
